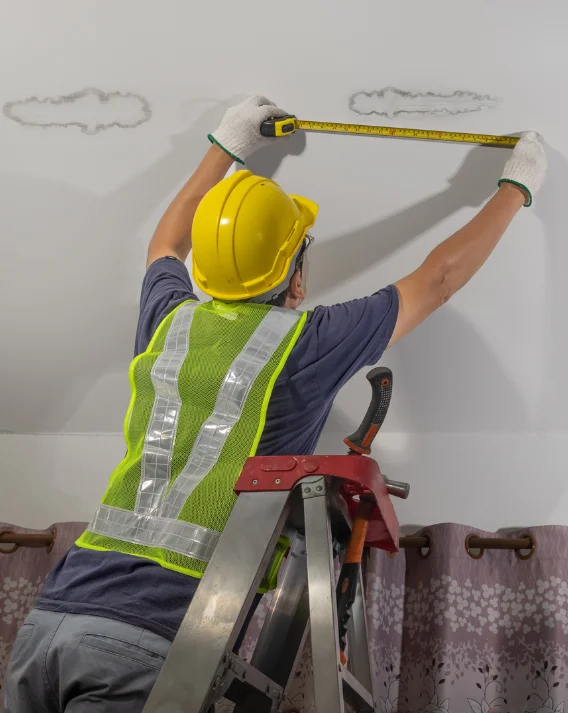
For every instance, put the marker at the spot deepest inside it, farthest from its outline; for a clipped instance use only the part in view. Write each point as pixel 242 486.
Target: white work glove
pixel 527 166
pixel 239 133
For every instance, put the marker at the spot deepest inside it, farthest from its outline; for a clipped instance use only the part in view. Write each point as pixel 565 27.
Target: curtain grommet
pixel 51 545
pixel 530 553
pixel 473 556
pixel 428 549
pixel 10 549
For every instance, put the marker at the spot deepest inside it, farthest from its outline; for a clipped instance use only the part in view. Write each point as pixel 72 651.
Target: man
pixel 212 383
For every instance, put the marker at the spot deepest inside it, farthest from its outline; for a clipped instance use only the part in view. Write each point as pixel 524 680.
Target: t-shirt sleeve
pixel 166 285
pixel 352 335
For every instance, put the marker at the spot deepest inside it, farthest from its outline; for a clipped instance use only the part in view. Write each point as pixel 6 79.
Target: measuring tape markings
pixel 283 126
pixel 424 134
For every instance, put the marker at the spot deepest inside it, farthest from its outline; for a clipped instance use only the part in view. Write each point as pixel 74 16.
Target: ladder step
pixel 241 680
pixel 356 695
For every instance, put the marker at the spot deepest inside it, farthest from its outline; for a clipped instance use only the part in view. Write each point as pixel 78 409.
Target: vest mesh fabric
pixel 218 334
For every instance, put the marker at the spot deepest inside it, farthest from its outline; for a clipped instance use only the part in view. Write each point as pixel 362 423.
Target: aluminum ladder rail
pixel 279 494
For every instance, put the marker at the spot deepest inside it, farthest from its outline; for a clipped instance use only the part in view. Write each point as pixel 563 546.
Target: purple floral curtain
pixel 453 634
pixel 22 573
pixel 449 633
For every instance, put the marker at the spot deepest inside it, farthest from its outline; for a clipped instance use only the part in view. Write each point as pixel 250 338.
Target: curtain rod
pixel 472 542
pixel 27 539
pixel 524 547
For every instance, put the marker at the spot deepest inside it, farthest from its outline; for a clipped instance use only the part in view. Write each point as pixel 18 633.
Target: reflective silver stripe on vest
pixel 145 526
pixel 153 531
pixel 229 405
pixel 160 435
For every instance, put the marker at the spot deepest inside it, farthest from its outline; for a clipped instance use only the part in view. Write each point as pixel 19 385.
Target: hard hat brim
pixel 308 208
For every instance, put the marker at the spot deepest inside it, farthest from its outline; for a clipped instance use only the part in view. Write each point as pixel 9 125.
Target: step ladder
pixel 312 500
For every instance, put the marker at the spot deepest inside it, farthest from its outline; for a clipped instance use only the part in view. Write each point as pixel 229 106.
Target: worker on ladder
pixel 212 383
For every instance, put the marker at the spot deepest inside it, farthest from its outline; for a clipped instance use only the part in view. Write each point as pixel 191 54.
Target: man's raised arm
pixel 236 138
pixel 455 261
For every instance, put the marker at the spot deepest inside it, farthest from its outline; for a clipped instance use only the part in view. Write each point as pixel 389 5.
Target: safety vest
pixel 200 393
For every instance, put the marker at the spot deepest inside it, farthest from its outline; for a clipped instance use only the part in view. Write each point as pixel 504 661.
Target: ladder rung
pixel 356 695
pixel 241 675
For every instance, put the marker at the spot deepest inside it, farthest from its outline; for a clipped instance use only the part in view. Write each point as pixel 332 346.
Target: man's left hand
pixel 239 133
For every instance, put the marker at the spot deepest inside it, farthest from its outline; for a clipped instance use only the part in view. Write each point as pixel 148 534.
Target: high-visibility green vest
pixel 199 397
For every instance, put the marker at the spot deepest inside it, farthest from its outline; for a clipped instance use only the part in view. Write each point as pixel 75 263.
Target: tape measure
pixel 286 125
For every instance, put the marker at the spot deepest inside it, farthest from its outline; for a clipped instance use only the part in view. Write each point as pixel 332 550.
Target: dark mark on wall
pixel 91 110
pixel 392 102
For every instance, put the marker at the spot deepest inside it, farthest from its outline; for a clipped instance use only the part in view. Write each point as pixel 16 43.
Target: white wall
pixel 488 481
pixel 478 419
pixel 47 479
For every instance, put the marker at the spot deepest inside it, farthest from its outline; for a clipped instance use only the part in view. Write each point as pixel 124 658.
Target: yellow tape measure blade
pixel 402 133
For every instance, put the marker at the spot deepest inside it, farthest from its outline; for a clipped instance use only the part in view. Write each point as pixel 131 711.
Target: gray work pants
pixel 74 663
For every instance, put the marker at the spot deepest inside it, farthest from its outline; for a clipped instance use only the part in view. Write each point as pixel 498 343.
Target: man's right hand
pixel 527 166
pixel 239 133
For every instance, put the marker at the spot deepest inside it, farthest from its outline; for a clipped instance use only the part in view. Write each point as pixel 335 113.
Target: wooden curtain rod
pixel 475 546
pixel 473 542
pixel 26 539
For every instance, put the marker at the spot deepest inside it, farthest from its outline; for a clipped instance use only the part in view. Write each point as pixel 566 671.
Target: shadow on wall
pixel 449 380
pixel 437 390
pixel 339 260
pixel 448 375
pixel 266 163
pixel 72 321
pixel 550 206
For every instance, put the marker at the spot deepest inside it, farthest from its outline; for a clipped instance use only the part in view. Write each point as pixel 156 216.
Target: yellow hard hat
pixel 245 233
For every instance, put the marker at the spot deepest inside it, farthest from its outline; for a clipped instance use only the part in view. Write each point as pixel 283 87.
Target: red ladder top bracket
pixel 359 473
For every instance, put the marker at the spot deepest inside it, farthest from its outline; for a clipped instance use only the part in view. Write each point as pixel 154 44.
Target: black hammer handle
pixel 380 379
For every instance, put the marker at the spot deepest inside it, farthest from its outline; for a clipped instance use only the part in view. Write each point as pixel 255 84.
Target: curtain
pixel 449 633
pixel 22 574
pixel 453 634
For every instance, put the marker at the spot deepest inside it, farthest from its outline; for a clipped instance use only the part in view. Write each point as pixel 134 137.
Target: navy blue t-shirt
pixel 334 344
